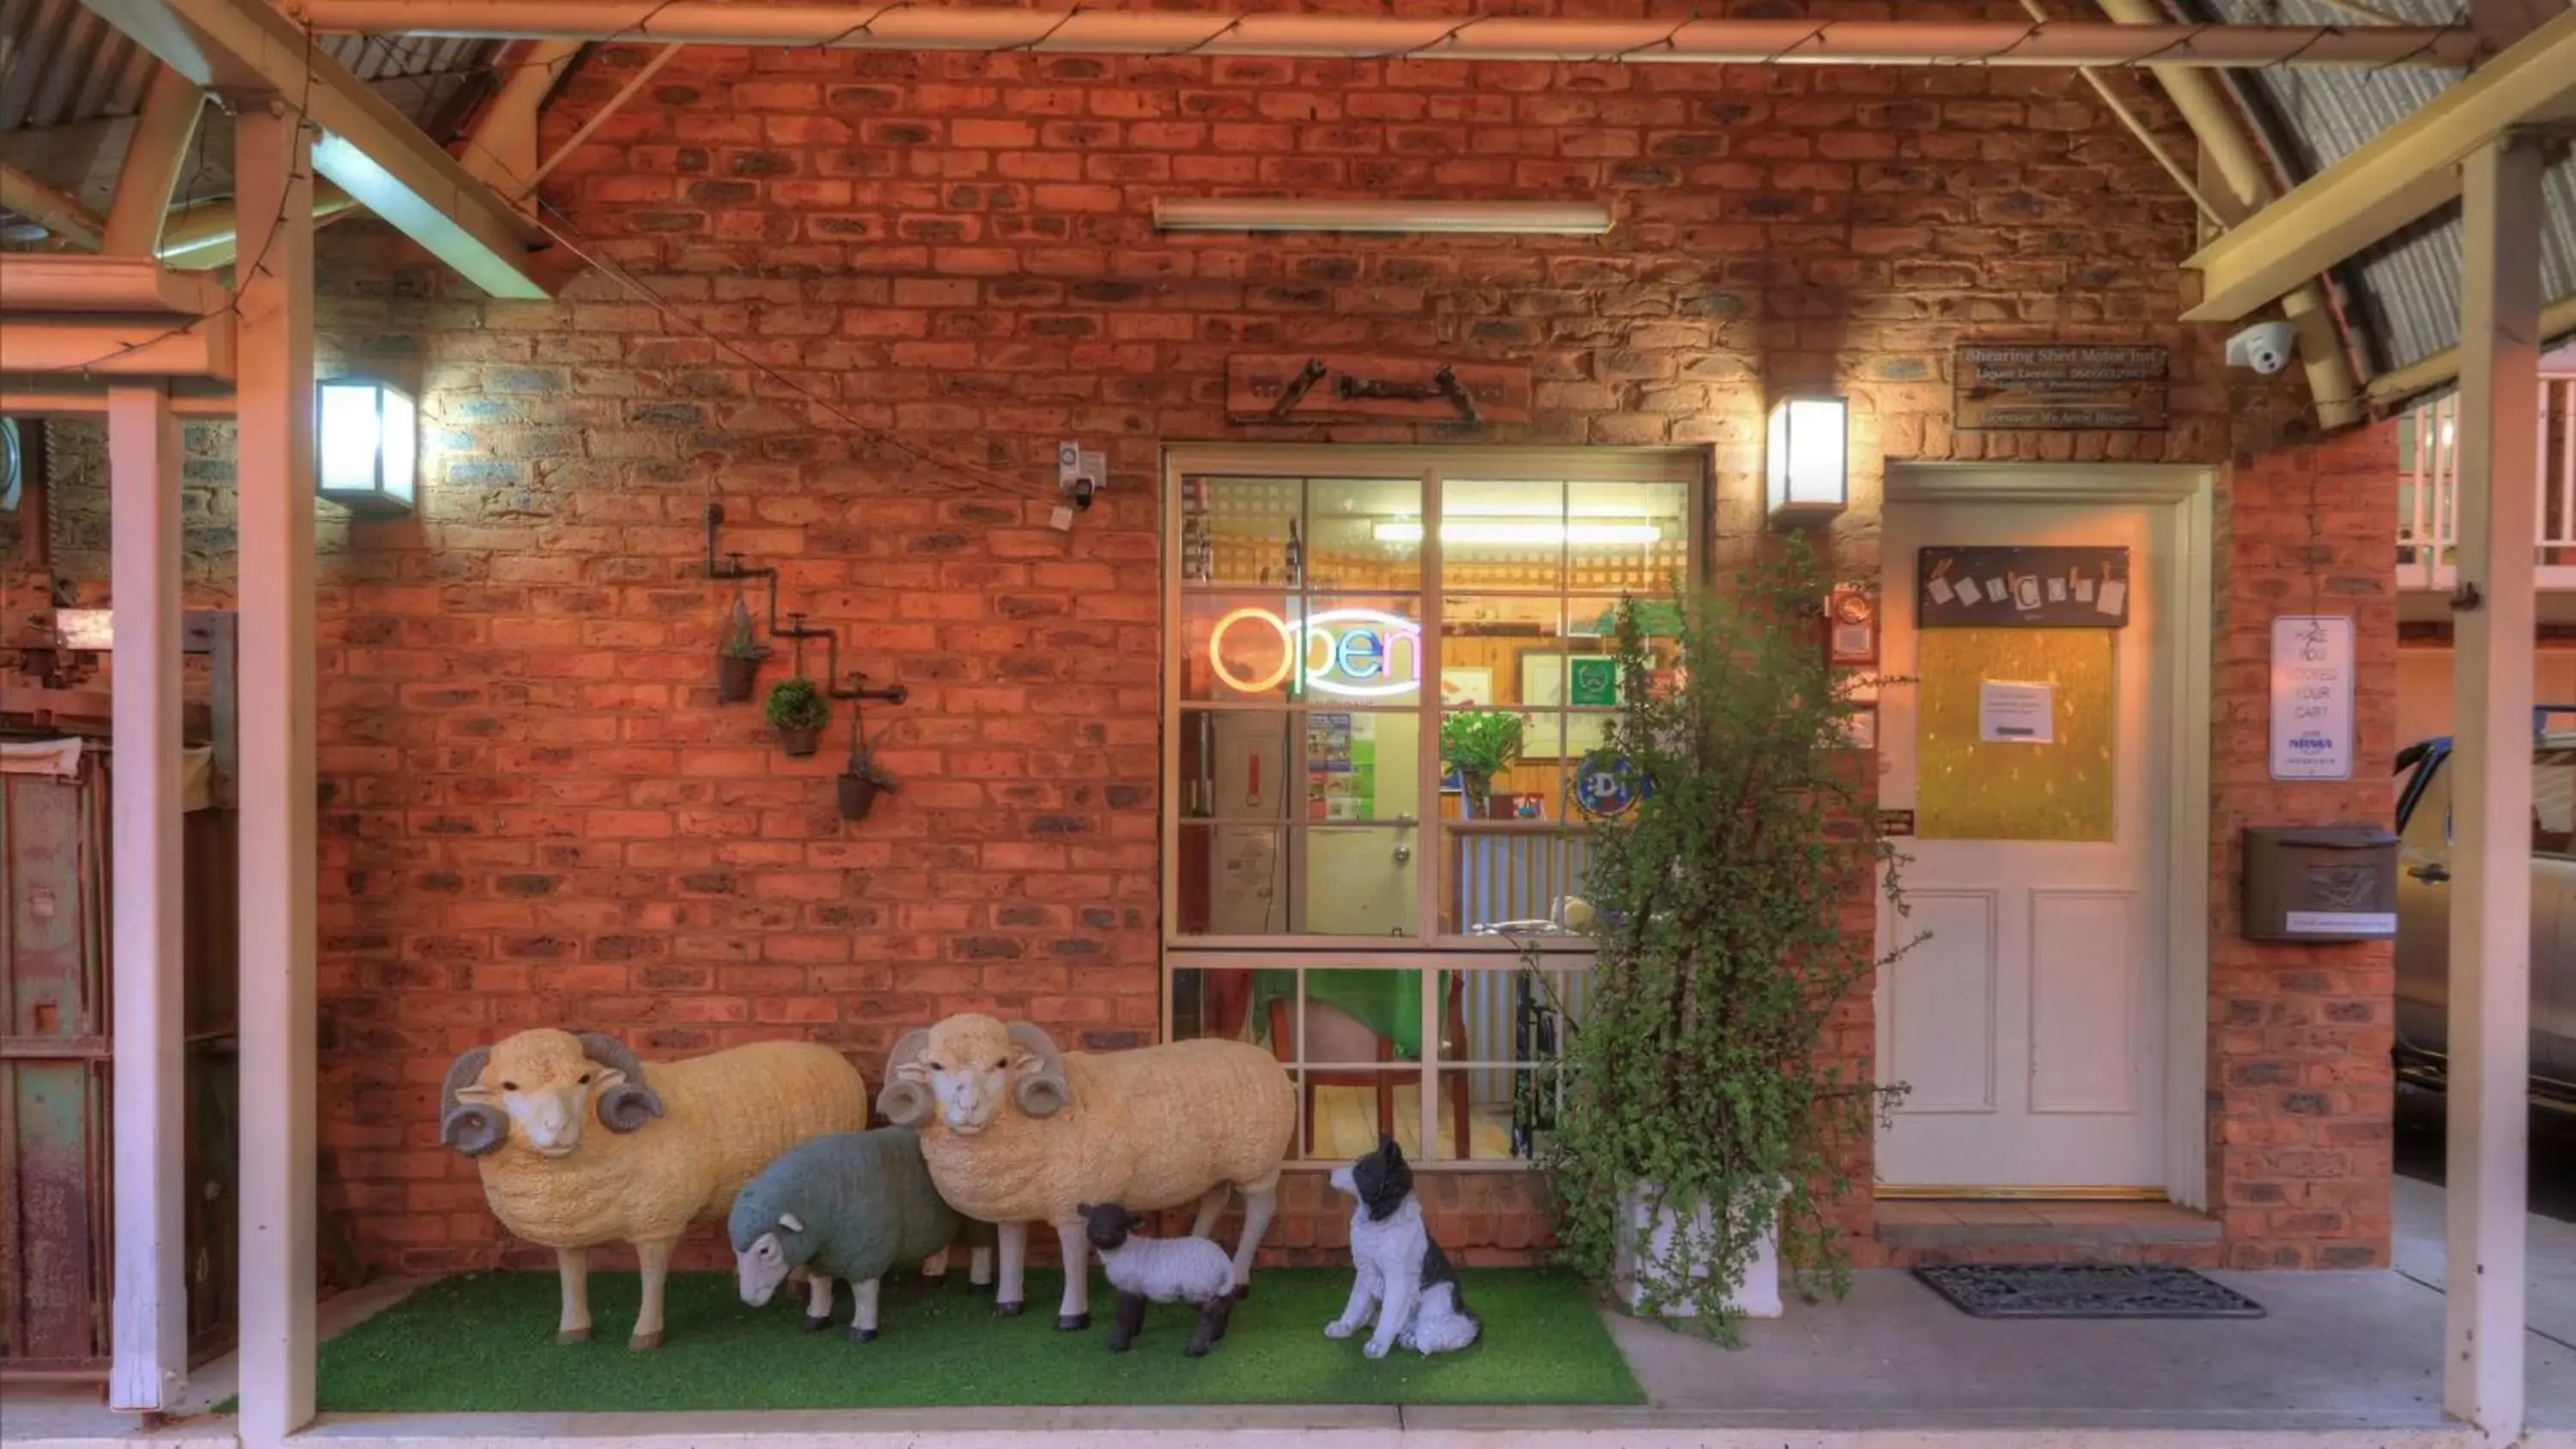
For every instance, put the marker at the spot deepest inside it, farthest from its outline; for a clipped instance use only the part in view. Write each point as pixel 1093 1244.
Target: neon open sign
pixel 1361 653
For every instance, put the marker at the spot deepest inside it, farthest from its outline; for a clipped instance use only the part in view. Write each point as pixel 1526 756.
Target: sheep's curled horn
pixel 903 1101
pixel 630 1104
pixel 469 1127
pixel 1040 1093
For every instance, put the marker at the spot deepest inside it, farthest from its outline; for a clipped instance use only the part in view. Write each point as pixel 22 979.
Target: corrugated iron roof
pixel 2405 292
pixel 70 85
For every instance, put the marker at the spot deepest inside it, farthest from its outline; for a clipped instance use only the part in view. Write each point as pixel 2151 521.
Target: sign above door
pixel 2001 387
pixel 2012 586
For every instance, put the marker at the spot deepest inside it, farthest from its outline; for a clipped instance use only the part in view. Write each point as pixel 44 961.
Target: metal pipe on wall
pixel 896 25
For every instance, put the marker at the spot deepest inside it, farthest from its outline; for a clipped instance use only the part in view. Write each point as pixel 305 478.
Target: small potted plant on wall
pixel 798 711
pixel 861 781
pixel 1698 1147
pixel 738 657
pixel 1480 744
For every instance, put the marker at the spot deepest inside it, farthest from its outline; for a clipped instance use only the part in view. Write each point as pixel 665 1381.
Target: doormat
pixel 2080 1290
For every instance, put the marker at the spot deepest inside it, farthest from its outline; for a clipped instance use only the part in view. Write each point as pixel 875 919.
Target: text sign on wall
pixel 2010 585
pixel 2312 669
pixel 1999 387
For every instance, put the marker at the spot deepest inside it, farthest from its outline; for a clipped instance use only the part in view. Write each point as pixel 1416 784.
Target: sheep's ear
pixel 479 1094
pixel 789 1222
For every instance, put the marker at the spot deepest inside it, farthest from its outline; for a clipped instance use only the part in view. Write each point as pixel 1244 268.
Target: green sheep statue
pixel 850 1206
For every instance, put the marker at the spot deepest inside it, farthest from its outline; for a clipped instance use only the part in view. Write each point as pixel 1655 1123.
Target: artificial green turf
pixel 485 1342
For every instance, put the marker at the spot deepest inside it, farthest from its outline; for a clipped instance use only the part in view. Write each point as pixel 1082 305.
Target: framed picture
pixel 1545 678
pixel 1466 686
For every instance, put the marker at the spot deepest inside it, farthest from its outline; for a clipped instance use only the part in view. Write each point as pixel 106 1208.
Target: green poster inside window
pixel 1595 682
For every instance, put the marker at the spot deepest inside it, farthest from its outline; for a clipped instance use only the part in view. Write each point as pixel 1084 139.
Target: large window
pixel 1331 888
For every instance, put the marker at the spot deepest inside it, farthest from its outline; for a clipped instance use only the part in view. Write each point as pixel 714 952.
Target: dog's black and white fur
pixel 1159 1270
pixel 1403 1276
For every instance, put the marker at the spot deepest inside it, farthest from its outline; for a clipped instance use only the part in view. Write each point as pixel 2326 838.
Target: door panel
pixel 2083 995
pixel 2030 1022
pixel 1942 1038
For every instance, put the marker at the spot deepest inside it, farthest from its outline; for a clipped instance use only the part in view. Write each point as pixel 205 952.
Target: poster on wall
pixel 2312 677
pixel 2009 585
pixel 1999 387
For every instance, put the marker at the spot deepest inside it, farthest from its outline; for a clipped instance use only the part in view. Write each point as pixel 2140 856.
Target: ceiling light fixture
pixel 1557 218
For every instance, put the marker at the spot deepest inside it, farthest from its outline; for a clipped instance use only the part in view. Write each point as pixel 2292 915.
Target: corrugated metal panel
pixel 62 63
pixel 2409 285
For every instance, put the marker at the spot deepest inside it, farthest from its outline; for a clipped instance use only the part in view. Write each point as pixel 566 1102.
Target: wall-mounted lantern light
pixel 367 439
pixel 1806 461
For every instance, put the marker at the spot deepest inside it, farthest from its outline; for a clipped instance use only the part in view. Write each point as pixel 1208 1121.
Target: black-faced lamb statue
pixel 852 1206
pixel 1403 1275
pixel 1159 1270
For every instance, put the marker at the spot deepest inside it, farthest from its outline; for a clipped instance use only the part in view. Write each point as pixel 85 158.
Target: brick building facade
pixel 886 279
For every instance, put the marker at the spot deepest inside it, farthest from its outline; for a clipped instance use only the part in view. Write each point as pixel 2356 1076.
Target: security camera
pixel 2265 347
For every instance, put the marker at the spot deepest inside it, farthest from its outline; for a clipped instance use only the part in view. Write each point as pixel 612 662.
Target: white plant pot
pixel 1646 1243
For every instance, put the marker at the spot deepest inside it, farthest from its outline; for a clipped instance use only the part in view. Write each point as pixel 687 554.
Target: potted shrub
pixel 1480 744
pixel 738 657
pixel 1695 1152
pixel 798 711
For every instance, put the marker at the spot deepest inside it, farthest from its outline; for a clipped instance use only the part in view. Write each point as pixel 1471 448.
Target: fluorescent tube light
pixel 1565 218
pixel 1497 530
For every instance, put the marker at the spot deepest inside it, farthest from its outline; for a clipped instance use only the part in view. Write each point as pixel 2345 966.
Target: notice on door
pixel 2312 673
pixel 2015 714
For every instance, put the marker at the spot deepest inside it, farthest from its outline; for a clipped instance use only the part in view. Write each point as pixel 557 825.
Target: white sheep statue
pixel 517 1108
pixel 1023 1133
pixel 1160 1270
pixel 852 1206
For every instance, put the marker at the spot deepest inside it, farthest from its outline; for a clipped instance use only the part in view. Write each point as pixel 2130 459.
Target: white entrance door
pixel 2030 1020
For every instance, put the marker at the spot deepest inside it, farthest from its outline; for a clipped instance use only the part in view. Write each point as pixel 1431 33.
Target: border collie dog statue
pixel 1403 1275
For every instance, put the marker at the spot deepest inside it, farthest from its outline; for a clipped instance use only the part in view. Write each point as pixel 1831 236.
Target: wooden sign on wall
pixel 1999 387
pixel 1297 387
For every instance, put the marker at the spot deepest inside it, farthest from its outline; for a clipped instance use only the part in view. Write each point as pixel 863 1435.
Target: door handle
pixel 2431 872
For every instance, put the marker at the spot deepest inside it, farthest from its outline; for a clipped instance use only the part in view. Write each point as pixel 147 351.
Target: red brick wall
pixel 534 811
pixel 2299 1036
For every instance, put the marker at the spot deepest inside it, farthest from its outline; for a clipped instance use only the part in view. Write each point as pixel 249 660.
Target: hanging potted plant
pixel 798 711
pixel 861 780
pixel 1480 744
pixel 1693 1155
pixel 738 656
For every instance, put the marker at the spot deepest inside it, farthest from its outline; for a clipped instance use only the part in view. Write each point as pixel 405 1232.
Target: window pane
pixel 1363 765
pixel 1359 880
pixel 1347 651
pixel 1236 530
pixel 1493 873
pixel 1363 535
pixel 1319 880
pixel 1323 534
pixel 1499 535
pixel 1233 880
pixel 1238 764
pixel 1633 536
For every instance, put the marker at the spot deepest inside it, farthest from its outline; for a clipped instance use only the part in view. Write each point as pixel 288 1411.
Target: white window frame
pixel 1428 950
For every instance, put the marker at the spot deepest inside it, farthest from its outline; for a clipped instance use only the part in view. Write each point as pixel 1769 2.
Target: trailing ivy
pixel 1726 936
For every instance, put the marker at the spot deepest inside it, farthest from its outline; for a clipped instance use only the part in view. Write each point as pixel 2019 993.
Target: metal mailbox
pixel 2320 883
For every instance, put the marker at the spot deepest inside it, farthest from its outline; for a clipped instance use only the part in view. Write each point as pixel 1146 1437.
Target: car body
pixel 2424 888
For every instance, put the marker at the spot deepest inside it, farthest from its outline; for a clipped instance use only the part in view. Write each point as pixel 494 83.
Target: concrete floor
pixel 2337 1350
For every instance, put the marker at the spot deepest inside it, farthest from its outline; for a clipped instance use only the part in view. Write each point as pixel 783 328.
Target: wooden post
pixel 2490 957
pixel 273 166
pixel 150 1360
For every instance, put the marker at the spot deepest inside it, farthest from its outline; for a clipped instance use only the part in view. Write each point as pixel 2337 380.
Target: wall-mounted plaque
pixel 2016 587
pixel 2052 386
pixel 2312 680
